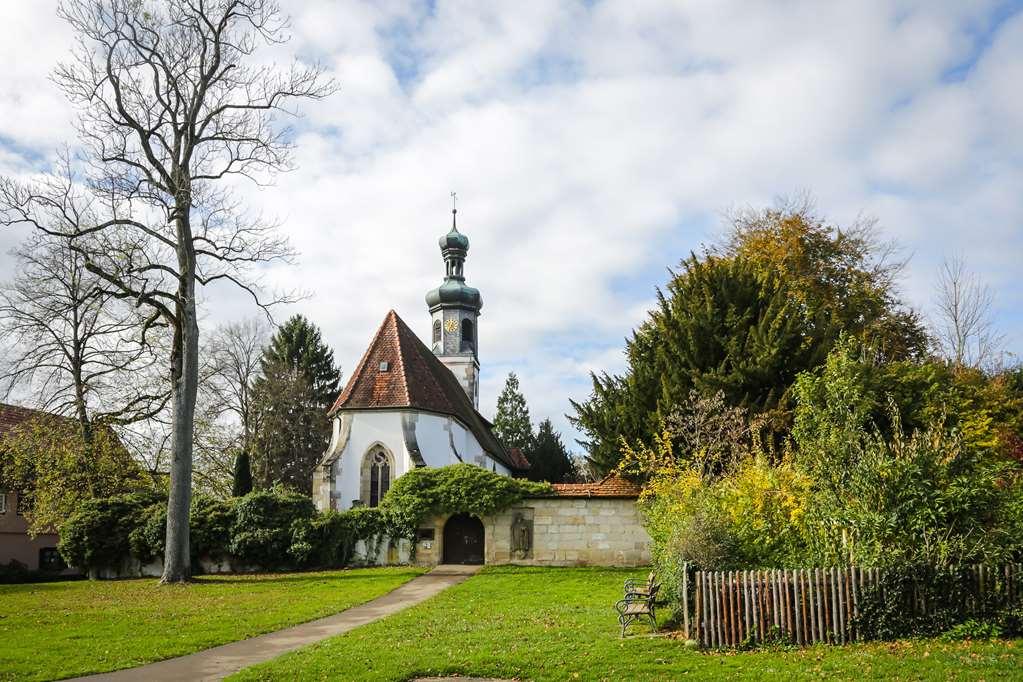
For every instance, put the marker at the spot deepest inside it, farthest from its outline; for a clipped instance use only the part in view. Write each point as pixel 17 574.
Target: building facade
pixel 408 406
pixel 16 545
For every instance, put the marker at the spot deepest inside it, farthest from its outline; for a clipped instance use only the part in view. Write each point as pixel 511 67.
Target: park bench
pixel 638 606
pixel 639 586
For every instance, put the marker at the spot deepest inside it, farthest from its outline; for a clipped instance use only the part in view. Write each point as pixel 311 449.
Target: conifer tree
pixel 512 423
pixel 242 484
pixel 549 459
pixel 298 344
pixel 299 382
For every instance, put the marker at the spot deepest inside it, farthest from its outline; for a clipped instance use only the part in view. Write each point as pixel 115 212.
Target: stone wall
pixel 570 532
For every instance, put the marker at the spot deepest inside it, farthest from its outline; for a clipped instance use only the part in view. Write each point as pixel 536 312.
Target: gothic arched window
pixel 468 340
pixel 376 477
pixel 436 331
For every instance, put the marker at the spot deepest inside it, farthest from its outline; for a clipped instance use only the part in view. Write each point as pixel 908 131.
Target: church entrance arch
pixel 463 540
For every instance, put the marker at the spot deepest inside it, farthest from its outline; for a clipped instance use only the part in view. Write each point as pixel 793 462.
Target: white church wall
pixel 369 429
pixel 434 436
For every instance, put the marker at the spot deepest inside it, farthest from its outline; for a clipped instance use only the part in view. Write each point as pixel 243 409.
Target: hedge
pixel 270 529
pixel 279 528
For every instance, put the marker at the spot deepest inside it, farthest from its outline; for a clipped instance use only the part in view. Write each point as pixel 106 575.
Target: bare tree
pixel 235 352
pixel 964 326
pixel 172 103
pixel 74 347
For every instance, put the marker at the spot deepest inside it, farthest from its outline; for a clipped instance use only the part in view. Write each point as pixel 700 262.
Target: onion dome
pixel 454 240
pixel 454 292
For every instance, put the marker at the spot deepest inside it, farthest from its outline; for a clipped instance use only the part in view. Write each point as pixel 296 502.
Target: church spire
pixel 455 309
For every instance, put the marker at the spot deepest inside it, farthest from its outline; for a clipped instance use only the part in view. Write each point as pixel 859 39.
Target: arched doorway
pixel 463 540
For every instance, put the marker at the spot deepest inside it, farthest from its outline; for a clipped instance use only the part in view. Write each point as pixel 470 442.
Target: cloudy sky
pixel 594 144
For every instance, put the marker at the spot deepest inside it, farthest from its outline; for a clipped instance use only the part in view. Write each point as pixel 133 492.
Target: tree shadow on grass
pixel 299 577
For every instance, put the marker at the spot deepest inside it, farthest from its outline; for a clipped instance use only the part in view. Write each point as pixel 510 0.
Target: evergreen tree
pixel 512 424
pixel 719 326
pixel 242 484
pixel 298 344
pixel 298 383
pixel 293 429
pixel 549 459
pixel 748 316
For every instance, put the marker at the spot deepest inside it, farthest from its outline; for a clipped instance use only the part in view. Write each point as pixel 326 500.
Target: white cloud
pixel 592 145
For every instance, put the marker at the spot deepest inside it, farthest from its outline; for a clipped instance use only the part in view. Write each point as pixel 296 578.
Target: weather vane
pixel 454 202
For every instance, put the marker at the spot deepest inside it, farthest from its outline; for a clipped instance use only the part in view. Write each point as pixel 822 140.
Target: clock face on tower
pixel 451 325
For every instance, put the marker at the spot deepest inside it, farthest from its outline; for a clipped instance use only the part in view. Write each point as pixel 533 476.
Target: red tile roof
pixel 12 416
pixel 519 459
pixel 612 485
pixel 414 378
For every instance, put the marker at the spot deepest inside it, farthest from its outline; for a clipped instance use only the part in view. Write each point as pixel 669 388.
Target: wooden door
pixel 463 540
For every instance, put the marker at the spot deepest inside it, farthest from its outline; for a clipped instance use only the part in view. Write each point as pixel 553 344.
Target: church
pixel 407 406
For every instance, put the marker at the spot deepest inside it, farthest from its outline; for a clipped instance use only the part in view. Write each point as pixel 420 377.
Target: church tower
pixel 455 309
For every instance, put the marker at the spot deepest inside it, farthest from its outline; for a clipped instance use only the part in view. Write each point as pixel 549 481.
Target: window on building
pixel 379 478
pixel 50 560
pixel 436 331
pixel 468 340
pixel 3 501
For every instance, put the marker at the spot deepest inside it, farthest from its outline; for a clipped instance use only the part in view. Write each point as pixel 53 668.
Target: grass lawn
pixel 62 629
pixel 557 624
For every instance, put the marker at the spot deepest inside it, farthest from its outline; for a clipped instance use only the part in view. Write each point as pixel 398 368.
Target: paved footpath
pixel 219 662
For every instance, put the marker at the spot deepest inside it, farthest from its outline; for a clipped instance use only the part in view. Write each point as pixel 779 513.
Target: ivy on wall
pixel 455 489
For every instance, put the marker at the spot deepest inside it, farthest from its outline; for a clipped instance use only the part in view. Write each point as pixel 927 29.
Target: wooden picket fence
pixel 804 606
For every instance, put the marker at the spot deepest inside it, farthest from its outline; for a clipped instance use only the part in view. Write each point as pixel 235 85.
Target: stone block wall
pixel 571 532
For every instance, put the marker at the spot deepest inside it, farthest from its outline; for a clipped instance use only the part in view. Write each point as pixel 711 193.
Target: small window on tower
pixel 436 331
pixel 468 341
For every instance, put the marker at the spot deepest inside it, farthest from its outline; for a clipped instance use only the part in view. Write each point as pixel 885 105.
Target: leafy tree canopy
pixel 49 462
pixel 745 318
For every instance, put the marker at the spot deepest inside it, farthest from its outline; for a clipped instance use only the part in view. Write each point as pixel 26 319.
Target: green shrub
pixel 264 525
pixel 955 608
pixel 97 536
pixel 211 520
pixel 148 539
pixel 328 540
pixel 459 488
pixel 972 629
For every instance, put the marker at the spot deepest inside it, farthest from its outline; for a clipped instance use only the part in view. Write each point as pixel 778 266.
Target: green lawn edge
pixel 558 624
pixel 65 629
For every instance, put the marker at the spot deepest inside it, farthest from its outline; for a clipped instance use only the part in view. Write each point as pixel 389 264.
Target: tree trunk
pixel 185 383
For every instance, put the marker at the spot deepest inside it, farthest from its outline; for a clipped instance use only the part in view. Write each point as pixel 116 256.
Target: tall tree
pixel 746 317
pixel 548 457
pixel 172 101
pixel 298 383
pixel 236 353
pixel 71 345
pixel 298 344
pixel 293 428
pixel 512 423
pixel 48 461
pixel 850 272
pixel 719 327
pixel 964 327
